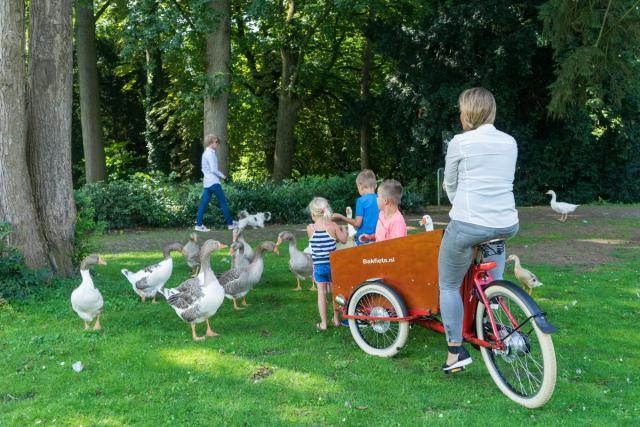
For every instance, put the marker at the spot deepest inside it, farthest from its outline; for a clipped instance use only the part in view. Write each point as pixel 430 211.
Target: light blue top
pixel 367 208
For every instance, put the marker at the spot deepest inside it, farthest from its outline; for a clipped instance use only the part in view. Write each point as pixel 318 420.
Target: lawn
pixel 270 365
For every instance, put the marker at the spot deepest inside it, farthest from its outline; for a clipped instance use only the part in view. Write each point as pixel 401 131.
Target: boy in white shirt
pixel 211 183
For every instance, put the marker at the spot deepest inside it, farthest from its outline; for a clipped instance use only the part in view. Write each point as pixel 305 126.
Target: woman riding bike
pixel 478 178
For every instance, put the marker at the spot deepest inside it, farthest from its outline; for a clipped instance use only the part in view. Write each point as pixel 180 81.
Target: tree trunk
pixel 216 108
pixel 94 158
pixel 365 85
pixel 158 148
pixel 49 126
pixel 288 107
pixel 16 199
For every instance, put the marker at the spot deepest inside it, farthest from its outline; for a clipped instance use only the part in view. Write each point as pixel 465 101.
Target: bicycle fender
pixel 538 315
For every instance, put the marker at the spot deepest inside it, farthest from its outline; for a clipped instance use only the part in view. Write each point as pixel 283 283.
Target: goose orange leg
pixel 298 288
pixel 244 301
pixel 193 333
pixel 210 332
pixel 235 305
pixel 97 326
pixel 313 285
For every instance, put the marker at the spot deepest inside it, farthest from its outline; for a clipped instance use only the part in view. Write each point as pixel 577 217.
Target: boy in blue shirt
pixel 366 206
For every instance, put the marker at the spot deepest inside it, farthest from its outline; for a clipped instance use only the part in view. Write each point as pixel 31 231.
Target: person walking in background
pixel 211 183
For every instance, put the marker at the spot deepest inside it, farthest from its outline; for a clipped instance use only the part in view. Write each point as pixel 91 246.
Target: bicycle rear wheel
pixel 525 371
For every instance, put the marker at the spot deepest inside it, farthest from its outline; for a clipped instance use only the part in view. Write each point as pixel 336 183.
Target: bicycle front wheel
pixel 525 370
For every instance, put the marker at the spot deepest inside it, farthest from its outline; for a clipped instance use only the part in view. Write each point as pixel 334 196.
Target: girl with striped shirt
pixel 323 234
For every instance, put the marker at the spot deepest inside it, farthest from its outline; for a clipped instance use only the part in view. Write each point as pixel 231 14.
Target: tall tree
pixel 216 102
pixel 95 166
pixel 365 93
pixel 16 199
pixel 288 102
pixel 49 129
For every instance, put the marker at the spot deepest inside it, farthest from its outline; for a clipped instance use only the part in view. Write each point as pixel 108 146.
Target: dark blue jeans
pixel 204 201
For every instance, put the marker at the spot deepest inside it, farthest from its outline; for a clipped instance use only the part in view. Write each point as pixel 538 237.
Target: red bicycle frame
pixel 472 291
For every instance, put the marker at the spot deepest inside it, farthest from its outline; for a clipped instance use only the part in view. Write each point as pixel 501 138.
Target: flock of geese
pixel 198 298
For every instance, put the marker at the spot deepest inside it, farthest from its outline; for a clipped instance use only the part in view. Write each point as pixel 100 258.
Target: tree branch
pixel 102 10
pixel 604 21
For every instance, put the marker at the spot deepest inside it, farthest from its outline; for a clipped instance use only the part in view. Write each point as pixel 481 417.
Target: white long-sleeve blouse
pixel 478 177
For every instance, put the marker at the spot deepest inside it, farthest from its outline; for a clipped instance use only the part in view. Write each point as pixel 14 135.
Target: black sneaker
pixel 464 359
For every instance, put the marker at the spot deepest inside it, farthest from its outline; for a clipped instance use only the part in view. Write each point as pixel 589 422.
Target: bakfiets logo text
pixel 378 260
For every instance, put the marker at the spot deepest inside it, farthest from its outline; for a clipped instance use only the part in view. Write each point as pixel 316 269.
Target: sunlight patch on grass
pixel 207 361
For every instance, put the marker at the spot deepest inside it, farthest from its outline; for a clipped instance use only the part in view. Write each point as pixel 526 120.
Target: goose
pixel 237 282
pixel 427 222
pixel 191 252
pixel 238 234
pixel 300 263
pixel 524 276
pixel 86 299
pixel 147 281
pixel 198 298
pixel 561 207
pixel 237 253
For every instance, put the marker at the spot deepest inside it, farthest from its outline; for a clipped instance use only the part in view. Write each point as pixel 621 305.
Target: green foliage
pixel 16 281
pixel 576 59
pixel 596 46
pixel 87 231
pixel 158 201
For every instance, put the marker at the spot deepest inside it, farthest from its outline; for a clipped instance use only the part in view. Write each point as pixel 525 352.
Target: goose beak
pixel 222 246
pixel 279 241
pixel 101 261
pixel 276 251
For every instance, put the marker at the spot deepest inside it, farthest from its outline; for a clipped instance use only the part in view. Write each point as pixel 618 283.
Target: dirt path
pixel 594 235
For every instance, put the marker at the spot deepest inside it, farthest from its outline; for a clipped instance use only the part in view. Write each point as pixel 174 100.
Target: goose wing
pixel 232 281
pixel 187 294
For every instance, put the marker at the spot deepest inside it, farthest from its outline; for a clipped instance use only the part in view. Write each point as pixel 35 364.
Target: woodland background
pixel 105 104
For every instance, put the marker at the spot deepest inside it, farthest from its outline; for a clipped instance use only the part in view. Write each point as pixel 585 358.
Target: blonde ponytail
pixel 319 208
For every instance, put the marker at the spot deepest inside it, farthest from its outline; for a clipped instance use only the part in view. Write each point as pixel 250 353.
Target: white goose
pixel 300 263
pixel 427 222
pixel 198 298
pixel 147 281
pixel 86 299
pixel 561 207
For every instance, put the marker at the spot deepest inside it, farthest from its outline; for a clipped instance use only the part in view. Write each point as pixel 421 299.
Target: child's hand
pixel 337 216
pixel 364 237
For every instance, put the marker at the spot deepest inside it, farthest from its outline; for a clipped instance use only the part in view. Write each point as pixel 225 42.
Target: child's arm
pixel 356 222
pixel 310 231
pixel 340 235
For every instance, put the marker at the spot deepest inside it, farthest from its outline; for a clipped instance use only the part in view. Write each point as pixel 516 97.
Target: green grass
pixel 143 368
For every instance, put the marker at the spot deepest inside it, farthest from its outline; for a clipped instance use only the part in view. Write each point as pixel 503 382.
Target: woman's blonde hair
pixel 210 139
pixel 477 107
pixel 319 208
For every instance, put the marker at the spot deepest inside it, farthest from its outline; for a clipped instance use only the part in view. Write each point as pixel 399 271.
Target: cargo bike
pixel 382 288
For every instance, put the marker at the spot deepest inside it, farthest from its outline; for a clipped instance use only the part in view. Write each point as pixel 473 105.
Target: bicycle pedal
pixel 454 370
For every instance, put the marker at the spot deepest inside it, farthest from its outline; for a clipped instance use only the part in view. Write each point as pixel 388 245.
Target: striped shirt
pixel 322 244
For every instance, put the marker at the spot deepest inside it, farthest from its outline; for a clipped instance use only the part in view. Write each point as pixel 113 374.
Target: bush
pixel 16 280
pixel 160 201
pixel 87 230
